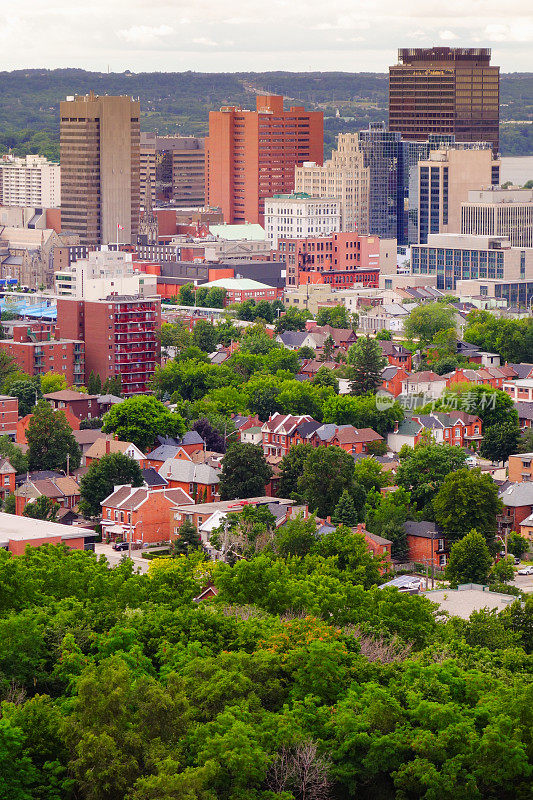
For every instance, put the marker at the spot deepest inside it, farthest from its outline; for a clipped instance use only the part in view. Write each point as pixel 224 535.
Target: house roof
pixel 237 284
pixel 307 428
pixel 163 452
pixel 99 448
pixel 390 349
pixel 14 528
pixel 424 377
pixel 522 370
pixel 62 486
pixel 90 436
pixel 188 472
pixel 67 396
pixel 377 539
pixel 293 338
pixel 409 427
pixel 109 399
pixel 126 498
pixel 152 478
pixel 422 529
pixel 249 231
pixel 192 437
pixel 525 410
pixel 347 434
pixel 518 494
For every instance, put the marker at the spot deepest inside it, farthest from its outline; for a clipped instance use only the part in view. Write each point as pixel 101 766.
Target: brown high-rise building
pixel 449 90
pixel 100 168
pixel 176 167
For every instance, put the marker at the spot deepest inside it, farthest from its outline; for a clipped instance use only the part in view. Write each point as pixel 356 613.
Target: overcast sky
pixel 246 35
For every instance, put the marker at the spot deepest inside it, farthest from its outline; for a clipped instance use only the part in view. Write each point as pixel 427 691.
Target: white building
pixel 500 212
pixel 105 272
pixel 299 215
pixel 29 181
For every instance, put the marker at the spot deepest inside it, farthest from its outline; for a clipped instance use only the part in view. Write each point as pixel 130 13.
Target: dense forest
pixel 180 101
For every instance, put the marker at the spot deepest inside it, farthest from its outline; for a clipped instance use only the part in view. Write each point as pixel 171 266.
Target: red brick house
pixel 457 428
pixel 141 513
pixel 353 440
pixel 377 545
pixel 279 433
pixel 9 414
pixel 63 490
pixel 426 545
pixel 396 354
pixel 83 406
pixel 22 425
pixel 7 478
pixel 200 481
pixel 518 504
pixel 486 376
pixel 18 533
pixel 104 446
pixel 392 380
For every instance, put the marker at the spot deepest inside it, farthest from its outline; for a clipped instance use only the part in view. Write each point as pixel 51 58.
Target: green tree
pixel 291 320
pixel 113 469
pixel 27 393
pixel 94 383
pixel 387 518
pixel 291 468
pixel 306 352
pixel 500 441
pixel 361 412
pixel 502 571
pixel 113 386
pixel 17 773
pixel 327 472
pixel 8 366
pixel 14 454
pixel 345 512
pixel 525 444
pixel 328 348
pixel 517 545
pixel 42 508
pixel 51 444
pixel 215 297
pixel 186 295
pixel 297 537
pixel 426 321
pixel 52 382
pixel 336 316
pixel 140 420
pixel 326 377
pixel 492 406
pixel 245 472
pixel 10 504
pixel 366 362
pixel 205 336
pixel 187 539
pixel 384 335
pixel 467 498
pixel 470 560
pixel 423 469
pixel 370 474
pixel 352 556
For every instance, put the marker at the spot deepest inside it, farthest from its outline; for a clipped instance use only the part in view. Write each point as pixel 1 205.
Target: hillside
pixel 29 101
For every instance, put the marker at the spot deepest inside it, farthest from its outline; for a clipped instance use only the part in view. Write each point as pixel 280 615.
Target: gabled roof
pixel 525 410
pixel 409 427
pixel 68 395
pixel 390 349
pixel 283 423
pixel 109 399
pixel 188 472
pixel 153 479
pixel 326 432
pixel 90 436
pixel 163 452
pixel 522 370
pixel 518 494
pixel 389 372
pixel 293 338
pixel 99 448
pixel 307 428
pixel 422 529
pixel 426 376
pixel 347 434
pixel 192 437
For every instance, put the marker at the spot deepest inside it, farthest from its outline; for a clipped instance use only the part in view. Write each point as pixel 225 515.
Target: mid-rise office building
pixel 481 261
pixel 444 181
pixel 104 273
pixel 500 212
pixel 251 155
pixel 300 215
pixel 450 90
pixel 120 334
pixel 29 181
pixel 176 168
pixel 100 168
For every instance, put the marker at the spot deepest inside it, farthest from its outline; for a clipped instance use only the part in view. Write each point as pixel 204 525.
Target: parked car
pixel 120 546
pixel 517 560
pixel 525 570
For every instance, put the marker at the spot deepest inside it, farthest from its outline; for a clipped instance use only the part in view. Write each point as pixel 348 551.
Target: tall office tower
pixel 100 168
pixel 382 155
pixel 176 165
pixel 251 155
pixel 445 90
pixel 343 176
pixel 444 181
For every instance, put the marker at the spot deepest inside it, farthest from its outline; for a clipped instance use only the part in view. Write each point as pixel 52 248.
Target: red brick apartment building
pixel 339 259
pixel 251 155
pixel 120 335
pixel 9 414
pixel 36 352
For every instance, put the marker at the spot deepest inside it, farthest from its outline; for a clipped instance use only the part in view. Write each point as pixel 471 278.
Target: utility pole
pixel 432 558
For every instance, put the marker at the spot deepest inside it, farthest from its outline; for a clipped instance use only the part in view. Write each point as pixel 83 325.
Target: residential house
pixel 520 467
pixel 83 406
pixel 86 438
pixel 520 390
pixel 426 383
pixel 457 428
pixel 386 317
pixel 106 403
pixel 426 545
pixel 63 490
pixel 294 340
pixel 518 505
pixel 396 354
pixel 526 529
pixel 393 378
pixel 23 423
pixel 278 433
pixel 200 481
pixel 525 414
pixel 377 545
pixel 142 514
pixel 252 436
pixel 486 376
pixel 310 368
pixel 343 337
pixel 353 440
pixel 241 422
pixel 7 478
pixel 103 447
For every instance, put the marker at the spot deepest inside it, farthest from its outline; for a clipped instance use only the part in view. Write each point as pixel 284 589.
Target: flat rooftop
pixel 21 529
pixel 463 601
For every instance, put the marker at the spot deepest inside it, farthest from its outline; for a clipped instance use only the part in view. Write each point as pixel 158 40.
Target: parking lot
pixel 524 582
pixel 114 557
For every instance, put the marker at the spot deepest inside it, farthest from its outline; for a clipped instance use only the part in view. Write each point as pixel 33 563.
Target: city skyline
pixel 297 36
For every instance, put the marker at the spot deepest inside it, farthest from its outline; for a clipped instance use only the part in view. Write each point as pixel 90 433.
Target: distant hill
pixel 180 101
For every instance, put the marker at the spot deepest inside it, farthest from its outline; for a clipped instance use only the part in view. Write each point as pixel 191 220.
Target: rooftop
pixel 20 529
pixel 237 284
pixel 469 597
pixel 248 232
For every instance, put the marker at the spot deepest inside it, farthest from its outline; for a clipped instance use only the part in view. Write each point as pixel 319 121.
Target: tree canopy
pixel 140 420
pixel 51 444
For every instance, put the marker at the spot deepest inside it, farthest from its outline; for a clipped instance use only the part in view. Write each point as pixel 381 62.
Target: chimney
pixel 107 446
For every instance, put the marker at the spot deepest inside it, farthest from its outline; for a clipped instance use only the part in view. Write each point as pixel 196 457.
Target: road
pixel 114 558
pixel 524 582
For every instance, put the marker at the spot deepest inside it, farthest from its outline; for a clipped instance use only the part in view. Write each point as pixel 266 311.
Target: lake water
pixel 518 169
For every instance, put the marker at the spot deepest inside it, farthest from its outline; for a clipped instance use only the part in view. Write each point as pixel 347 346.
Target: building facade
pixel 251 155
pixel 176 167
pixel 444 181
pixel 474 259
pixel 36 352
pixel 29 181
pixel 499 212
pixel 445 90
pixel 300 215
pixel 100 168
pixel 103 273
pixel 120 335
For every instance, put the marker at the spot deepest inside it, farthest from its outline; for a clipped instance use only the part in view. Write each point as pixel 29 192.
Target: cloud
pixel 144 34
pixel 447 36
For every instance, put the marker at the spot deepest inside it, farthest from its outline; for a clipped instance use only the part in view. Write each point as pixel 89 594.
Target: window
pixel 440 544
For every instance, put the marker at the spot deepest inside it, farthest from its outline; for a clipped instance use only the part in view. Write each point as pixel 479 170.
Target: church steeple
pixel 148 225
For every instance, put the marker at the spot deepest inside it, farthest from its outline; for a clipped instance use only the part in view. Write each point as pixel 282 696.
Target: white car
pixel 525 571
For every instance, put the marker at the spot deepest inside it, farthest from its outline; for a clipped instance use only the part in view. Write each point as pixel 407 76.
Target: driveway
pixel 113 557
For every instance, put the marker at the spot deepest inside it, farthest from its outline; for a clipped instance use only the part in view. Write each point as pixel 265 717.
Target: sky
pixel 256 35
